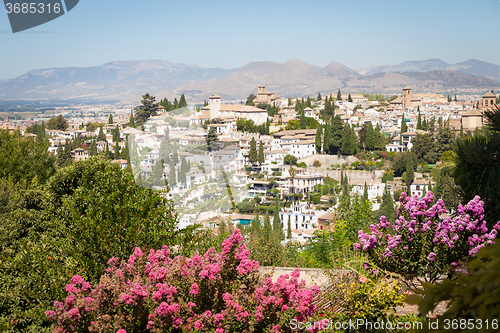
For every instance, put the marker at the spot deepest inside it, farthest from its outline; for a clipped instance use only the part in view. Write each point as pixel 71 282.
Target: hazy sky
pixel 233 33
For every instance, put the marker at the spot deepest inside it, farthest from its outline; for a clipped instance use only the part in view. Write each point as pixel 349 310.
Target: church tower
pixel 214 103
pixel 407 98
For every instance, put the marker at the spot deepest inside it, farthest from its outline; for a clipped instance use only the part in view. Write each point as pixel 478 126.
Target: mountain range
pixel 127 80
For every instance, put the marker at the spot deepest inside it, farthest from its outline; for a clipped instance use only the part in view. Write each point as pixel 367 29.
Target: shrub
pixel 364 293
pixel 214 292
pixel 466 295
pixel 316 163
pixel 290 159
pixel 302 165
pixel 420 244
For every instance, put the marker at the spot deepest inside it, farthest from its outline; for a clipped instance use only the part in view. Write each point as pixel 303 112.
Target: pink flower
pixel 121 330
pixel 362 279
pixel 198 325
pixel 50 314
pixel 194 289
pixel 77 279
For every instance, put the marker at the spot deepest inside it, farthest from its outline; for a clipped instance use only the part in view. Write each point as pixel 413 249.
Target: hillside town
pixel 267 148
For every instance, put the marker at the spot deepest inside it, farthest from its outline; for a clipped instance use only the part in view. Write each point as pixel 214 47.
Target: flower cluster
pixel 423 241
pixel 216 292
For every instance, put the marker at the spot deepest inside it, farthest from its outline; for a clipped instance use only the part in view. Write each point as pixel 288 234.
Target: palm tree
pixel 477 166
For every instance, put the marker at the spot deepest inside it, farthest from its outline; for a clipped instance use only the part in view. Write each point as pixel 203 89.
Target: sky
pixel 230 34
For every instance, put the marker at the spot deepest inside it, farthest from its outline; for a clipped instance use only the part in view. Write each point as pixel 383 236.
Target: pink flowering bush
pixel 214 292
pixel 420 244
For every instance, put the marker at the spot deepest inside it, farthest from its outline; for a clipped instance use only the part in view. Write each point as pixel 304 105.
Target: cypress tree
pixel 268 231
pixel 404 128
pixel 157 173
pixel 110 119
pixel 93 148
pixel 182 102
pixel 319 97
pixel 339 96
pixel 132 120
pixel 261 157
pixel 125 151
pixel 365 194
pixel 410 172
pixel 252 154
pixel 107 153
pixel 289 229
pixel 345 149
pixel 101 136
pixel 303 120
pixel 349 98
pixel 255 226
pixel 117 151
pixel 175 158
pixel 176 104
pixel 370 140
pixel 268 125
pixel 277 228
pixel 353 141
pixel 379 141
pixel 317 140
pixel 419 121
pixel 172 179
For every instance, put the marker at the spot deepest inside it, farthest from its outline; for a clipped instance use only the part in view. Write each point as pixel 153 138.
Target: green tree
pixel 25 160
pixel 404 127
pixel 326 138
pixel 117 151
pixel 419 121
pixel 110 119
pixel 261 157
pixel 132 119
pixel 252 154
pixel 290 160
pixel 365 194
pixel 349 98
pixel 172 179
pixel 477 166
pixel 335 135
pixel 268 125
pixel 319 98
pixel 148 108
pixel 277 228
pixel 250 99
pixel 317 140
pixel 386 208
pixel 182 102
pixel 339 96
pixel 267 230
pixel 157 173
pixel 410 173
pixel 423 148
pixel 57 123
pixel 347 147
pixel 212 139
pixel 101 136
pixel 371 139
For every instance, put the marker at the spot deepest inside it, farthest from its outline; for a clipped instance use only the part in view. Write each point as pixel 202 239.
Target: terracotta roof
pixel 472 113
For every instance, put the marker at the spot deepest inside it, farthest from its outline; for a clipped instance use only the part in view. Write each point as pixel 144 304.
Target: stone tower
pixel 214 103
pixel 407 98
pixel 489 100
